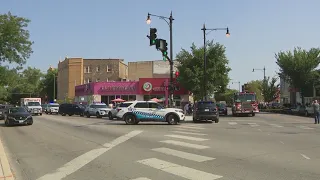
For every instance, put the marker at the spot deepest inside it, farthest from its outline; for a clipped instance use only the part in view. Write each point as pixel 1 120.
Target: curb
pixel 5 170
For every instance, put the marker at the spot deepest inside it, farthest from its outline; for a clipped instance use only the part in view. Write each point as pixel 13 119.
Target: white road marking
pixel 178 170
pixel 305 127
pixel 184 155
pixel 191 127
pixel 276 125
pixel 189 145
pixel 253 124
pixel 281 142
pixel 306 157
pixel 183 129
pixel 232 123
pixel 86 158
pixel 141 178
pixel 260 130
pixel 186 137
pixel 190 133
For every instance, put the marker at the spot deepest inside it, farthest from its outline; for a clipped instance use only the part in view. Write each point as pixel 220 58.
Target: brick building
pixel 77 71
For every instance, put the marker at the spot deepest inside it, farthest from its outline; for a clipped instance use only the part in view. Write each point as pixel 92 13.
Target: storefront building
pixel 143 90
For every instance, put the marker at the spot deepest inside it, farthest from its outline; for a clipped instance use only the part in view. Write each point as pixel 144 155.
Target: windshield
pixel 33 104
pixel 206 105
pixel 54 105
pixel 221 105
pixel 244 97
pixel 98 106
pixel 18 109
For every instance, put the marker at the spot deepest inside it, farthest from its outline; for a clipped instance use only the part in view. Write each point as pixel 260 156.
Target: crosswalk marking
pixel 183 144
pixel 178 170
pixel 253 124
pixel 141 178
pixel 186 137
pixel 190 133
pixel 183 155
pixel 276 125
pixel 232 123
pixel 183 129
pixel 191 127
pixel 304 127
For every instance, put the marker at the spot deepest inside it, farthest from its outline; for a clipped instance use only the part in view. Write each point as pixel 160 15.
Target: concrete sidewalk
pixel 5 171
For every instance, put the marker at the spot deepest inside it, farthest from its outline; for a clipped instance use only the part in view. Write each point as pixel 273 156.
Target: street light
pixel 170 18
pixel 239 85
pixel 204 29
pixel 264 72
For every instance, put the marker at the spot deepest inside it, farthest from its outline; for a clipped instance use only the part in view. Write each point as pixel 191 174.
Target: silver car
pixel 97 109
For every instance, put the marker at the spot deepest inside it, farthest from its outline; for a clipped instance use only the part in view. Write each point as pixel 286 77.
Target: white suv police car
pixel 132 112
pixel 97 109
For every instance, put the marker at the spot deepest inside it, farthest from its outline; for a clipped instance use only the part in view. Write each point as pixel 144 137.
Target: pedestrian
pixel 316 110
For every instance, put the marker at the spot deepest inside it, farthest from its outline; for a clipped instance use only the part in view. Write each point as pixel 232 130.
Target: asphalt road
pixel 264 147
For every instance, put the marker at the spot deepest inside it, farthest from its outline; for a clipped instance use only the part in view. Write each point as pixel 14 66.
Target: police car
pixel 132 112
pixel 97 109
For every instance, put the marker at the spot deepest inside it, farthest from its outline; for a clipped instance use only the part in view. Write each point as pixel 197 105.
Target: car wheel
pixel 172 119
pixel 306 113
pixel 88 114
pixel 110 116
pixel 194 120
pixel 30 123
pixel 253 114
pixel 216 120
pixel 130 119
pixel 6 122
pixel 70 114
pixel 98 115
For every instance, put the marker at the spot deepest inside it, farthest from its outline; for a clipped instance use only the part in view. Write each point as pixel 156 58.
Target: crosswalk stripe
pixel 253 124
pixel 141 178
pixel 190 133
pixel 186 137
pixel 184 144
pixel 232 123
pixel 304 127
pixel 191 127
pixel 178 170
pixel 184 155
pixel 276 125
pixel 183 129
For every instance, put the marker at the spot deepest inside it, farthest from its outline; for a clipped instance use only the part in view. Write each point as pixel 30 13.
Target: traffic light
pixel 153 36
pixel 242 88
pixel 177 74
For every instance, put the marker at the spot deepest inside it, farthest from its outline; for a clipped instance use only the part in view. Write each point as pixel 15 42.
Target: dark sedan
pixel 223 110
pixel 17 116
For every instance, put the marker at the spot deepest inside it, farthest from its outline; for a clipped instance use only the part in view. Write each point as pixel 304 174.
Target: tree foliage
pixel 269 89
pixel 15 46
pixel 255 86
pixel 298 67
pixel 226 96
pixel 49 85
pixel 191 69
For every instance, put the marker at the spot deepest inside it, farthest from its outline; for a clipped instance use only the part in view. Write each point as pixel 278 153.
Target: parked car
pixel 18 115
pixel 52 108
pixel 97 109
pixel 205 110
pixel 223 110
pixel 71 109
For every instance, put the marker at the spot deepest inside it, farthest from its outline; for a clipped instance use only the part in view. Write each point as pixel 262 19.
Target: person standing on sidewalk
pixel 316 110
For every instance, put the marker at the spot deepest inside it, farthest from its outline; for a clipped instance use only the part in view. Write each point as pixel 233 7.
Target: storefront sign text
pixel 118 88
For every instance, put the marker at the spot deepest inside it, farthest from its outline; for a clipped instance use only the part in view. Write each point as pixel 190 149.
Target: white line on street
pixel 141 178
pixel 183 129
pixel 281 142
pixel 260 130
pixel 190 133
pixel 276 125
pixel 184 155
pixel 191 127
pixel 232 123
pixel 253 124
pixel 178 170
pixel 186 137
pixel 305 127
pixel 306 157
pixel 85 158
pixel 189 145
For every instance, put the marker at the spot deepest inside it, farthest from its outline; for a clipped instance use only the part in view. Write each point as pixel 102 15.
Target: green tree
pixel 299 67
pixel 255 86
pixel 269 89
pixel 48 83
pixel 15 46
pixel 191 69
pixel 226 96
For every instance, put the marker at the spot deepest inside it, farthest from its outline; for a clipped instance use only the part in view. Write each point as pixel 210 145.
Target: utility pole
pixel 264 72
pixel 54 87
pixel 239 85
pixel 204 29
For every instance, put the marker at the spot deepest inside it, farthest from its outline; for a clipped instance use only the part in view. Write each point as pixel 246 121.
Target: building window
pixel 107 79
pixel 89 80
pixel 87 69
pixel 97 80
pixel 108 68
pixel 98 68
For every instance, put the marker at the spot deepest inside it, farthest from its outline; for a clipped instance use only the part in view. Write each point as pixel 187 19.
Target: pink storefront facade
pixel 144 89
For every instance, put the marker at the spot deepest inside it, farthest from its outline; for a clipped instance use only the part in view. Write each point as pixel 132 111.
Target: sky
pixel 118 29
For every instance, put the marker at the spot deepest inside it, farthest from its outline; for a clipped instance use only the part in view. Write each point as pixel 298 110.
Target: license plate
pixel 206 110
pixel 20 121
